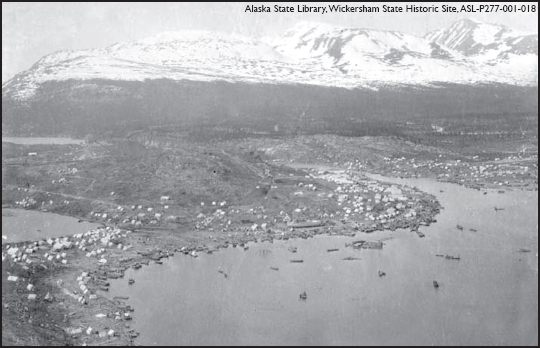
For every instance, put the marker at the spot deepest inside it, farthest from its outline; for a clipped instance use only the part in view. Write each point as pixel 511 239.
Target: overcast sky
pixel 32 30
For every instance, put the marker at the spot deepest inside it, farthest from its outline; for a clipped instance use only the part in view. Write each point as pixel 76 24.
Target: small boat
pixel 297 261
pixel 303 296
pixel 126 308
pixel 420 234
pixel 451 257
pixel 439 255
pixel 382 274
pixel 104 288
pixel 274 268
pixel 132 334
pixel 350 258
pixel 131 281
pixel 369 245
pixel 136 266
pixel 246 248
pixel 292 249
pixel 435 284
pixel 356 244
pixel 459 227
pixel 473 230
pixel 125 298
pixel 159 262
pixel 331 250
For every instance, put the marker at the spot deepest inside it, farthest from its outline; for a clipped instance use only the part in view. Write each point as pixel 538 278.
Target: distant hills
pixel 159 79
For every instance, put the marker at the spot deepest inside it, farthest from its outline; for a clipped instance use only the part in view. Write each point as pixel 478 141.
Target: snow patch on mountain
pixel 484 33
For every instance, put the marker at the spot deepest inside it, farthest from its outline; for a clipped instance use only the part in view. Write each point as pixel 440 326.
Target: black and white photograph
pixel 269 174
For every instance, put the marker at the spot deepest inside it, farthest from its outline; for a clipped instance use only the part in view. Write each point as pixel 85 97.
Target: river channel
pixel 233 297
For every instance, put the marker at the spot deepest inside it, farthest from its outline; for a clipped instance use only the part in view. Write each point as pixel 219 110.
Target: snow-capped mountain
pixel 309 53
pixel 485 42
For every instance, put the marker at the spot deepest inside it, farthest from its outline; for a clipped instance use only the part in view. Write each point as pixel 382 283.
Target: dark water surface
pixel 20 225
pixel 42 141
pixel 488 297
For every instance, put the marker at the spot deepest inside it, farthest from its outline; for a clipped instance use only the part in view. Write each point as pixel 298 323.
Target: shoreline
pixel 141 251
pixel 87 275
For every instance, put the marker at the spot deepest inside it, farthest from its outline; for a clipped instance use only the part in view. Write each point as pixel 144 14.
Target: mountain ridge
pixel 466 52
